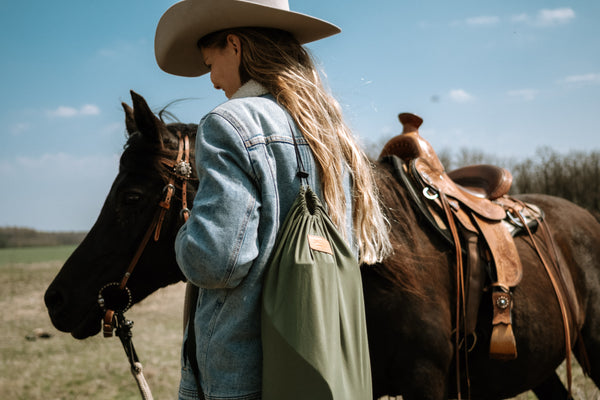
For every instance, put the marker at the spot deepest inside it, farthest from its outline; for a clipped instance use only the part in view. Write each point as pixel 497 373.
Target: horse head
pixel 129 213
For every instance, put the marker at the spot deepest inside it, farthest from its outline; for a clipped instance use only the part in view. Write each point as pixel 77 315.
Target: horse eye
pixel 132 198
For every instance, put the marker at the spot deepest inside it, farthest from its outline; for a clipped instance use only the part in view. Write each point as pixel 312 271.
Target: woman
pixel 246 164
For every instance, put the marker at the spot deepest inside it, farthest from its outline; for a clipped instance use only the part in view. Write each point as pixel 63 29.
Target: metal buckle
pixel 431 196
pixel 515 220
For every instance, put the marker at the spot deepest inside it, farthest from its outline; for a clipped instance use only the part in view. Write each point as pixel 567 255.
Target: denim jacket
pixel 247 167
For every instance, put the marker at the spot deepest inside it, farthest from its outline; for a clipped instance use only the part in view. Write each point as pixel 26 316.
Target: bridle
pixel 114 318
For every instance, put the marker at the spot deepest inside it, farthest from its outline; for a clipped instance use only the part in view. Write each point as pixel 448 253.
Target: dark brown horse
pixel 409 297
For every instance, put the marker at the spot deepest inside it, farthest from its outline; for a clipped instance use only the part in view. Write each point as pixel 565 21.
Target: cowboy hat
pixel 186 22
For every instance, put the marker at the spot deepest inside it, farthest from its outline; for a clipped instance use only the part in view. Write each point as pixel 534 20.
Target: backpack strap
pixel 302 174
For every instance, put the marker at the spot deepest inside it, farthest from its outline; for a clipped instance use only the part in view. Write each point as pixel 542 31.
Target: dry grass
pixel 64 368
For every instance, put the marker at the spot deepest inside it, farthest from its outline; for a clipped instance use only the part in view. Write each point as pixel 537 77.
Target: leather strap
pixel 180 171
pixel 183 148
pixel 563 309
pixel 139 251
pixel 460 293
pixel 116 320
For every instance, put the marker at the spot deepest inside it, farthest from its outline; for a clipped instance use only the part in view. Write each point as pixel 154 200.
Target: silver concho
pixel 502 302
pixel 183 168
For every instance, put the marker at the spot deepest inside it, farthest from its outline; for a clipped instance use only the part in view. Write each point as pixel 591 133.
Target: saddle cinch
pixel 471 209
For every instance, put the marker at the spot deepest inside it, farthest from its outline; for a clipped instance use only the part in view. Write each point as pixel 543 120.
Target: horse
pixel 408 297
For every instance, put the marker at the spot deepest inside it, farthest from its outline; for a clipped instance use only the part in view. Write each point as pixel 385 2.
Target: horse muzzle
pixel 80 320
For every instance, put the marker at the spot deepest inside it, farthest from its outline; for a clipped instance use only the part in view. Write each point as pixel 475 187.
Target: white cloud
pixel 546 17
pixel 593 78
pixel 523 94
pixel 69 112
pixel 63 112
pixel 557 16
pixel 89 109
pixel 483 20
pixel 460 96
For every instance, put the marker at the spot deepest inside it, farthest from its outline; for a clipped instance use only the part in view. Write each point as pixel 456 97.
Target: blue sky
pixel 502 77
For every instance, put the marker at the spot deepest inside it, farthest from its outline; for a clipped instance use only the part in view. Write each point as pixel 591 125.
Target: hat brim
pixel 186 22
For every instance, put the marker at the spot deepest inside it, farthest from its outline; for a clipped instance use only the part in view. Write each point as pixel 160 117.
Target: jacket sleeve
pixel 216 247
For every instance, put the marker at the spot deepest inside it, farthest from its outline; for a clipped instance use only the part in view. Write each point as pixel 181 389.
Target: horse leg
pixel 427 381
pixel 417 378
pixel 421 369
pixel 551 389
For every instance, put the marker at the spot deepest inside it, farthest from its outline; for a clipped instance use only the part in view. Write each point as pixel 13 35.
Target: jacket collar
pixel 250 89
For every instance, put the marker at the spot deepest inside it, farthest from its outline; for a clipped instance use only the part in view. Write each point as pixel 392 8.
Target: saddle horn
pixel 410 145
pixel 410 122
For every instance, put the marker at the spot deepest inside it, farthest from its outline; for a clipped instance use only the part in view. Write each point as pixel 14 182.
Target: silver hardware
pixel 513 219
pixel 430 193
pixel 502 302
pixel 102 302
pixel 184 169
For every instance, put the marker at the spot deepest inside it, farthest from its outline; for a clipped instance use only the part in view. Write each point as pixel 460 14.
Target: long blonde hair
pixel 276 60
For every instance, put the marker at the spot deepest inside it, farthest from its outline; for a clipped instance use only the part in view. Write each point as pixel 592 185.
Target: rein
pixel 114 317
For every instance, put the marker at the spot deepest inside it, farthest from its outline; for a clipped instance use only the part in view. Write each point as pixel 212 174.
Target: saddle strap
pixel 503 345
pixel 559 296
pixel 460 294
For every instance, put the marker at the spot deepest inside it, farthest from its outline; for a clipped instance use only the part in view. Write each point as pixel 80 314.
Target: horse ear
pixel 129 119
pixel 146 122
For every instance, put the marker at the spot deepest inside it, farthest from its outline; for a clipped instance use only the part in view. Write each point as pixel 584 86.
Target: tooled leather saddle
pixel 471 208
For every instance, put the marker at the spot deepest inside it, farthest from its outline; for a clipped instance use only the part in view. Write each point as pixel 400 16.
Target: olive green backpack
pixel 314 333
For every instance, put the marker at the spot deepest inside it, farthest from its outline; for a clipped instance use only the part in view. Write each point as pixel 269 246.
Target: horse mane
pixel 407 234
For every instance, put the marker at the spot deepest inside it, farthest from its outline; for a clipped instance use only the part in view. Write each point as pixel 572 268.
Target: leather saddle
pixel 468 206
pixel 471 208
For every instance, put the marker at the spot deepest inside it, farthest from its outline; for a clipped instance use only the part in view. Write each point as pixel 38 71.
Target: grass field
pixel 64 368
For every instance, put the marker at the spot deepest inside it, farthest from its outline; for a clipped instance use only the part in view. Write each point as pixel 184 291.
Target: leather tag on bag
pixel 319 243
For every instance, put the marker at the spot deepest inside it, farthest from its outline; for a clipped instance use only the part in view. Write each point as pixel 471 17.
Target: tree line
pixel 574 176
pixel 26 237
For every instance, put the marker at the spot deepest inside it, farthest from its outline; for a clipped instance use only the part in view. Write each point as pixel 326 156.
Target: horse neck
pixel 417 256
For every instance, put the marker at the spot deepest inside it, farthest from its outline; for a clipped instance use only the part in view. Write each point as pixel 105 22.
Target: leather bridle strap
pixel 181 169
pixel 164 205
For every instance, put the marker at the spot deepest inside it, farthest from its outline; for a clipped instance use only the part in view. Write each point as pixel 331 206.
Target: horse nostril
pixel 54 300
